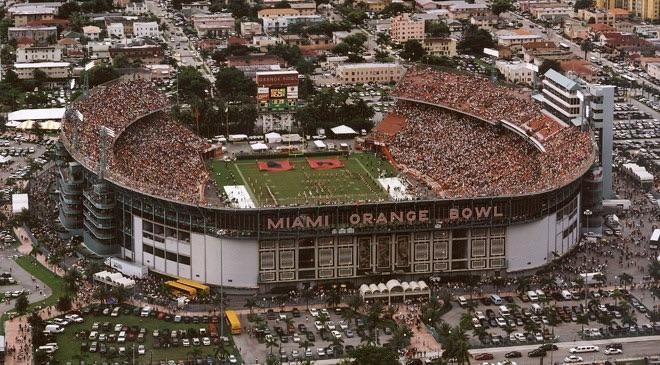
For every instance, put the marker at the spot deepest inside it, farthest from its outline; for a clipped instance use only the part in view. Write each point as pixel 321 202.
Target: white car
pixel 118 327
pixel 185 342
pixel 318 325
pixel 206 341
pixel 336 334
pixel 141 350
pixel 572 359
pixel 156 333
pixel 330 325
pixel 73 318
pixel 296 338
pixel 232 359
pixel 313 312
pixel 613 351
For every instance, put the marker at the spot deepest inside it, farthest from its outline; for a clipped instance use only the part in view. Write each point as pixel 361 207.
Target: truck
pixel 127 268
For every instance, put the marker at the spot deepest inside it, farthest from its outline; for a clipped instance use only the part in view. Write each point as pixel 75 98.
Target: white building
pixel 92 32
pixel 146 29
pixel 39 54
pixel 654 70
pixel 213 24
pixel 116 30
pixel 281 23
pixel 98 50
pixel 511 39
pixel 250 28
pixel 574 101
pixel 370 72
pixel 136 8
pixel 517 72
pixel 54 70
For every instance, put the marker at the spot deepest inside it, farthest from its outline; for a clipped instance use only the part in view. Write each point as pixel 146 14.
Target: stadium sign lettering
pixel 302 222
pixel 478 213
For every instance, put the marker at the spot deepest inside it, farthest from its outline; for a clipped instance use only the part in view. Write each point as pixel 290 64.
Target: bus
pixel 180 289
pixel 193 284
pixel 655 237
pixel 234 322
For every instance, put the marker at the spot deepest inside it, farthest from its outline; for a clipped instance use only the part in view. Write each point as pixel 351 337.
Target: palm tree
pixel 334 298
pixel 308 294
pixel 617 294
pixel 348 314
pixel 71 280
pixel 338 343
pixel 373 319
pixel 466 321
pixel 586 46
pixel 270 344
pixel 523 285
pixel 625 279
pixel 509 329
pixel 305 344
pixel 250 303
pixel 355 302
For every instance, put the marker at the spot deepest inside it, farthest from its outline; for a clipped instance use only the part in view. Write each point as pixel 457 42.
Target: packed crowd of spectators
pixel 469 93
pixel 113 106
pixel 162 157
pixel 473 158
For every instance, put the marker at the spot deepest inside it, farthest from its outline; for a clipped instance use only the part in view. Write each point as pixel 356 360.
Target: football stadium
pixel 463 176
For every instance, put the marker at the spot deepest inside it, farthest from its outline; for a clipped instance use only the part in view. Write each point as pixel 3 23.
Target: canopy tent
pixel 291 138
pixel 36 114
pixel 320 145
pixel 12 124
pixel 28 124
pixel 114 279
pixel 343 130
pixel 19 202
pixel 259 147
pixel 51 125
pixel 273 137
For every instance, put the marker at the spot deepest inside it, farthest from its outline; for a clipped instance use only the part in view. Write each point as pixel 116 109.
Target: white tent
pixel 259 146
pixel 28 124
pixel 273 137
pixel 292 138
pixel 343 130
pixel 12 124
pixel 114 279
pixel 19 202
pixel 51 125
pixel 320 145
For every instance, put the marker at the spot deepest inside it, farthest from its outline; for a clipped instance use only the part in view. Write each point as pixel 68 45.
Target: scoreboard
pixel 277 90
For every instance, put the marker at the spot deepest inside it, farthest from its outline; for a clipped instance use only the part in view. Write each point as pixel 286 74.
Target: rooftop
pixel 36 114
pixel 41 65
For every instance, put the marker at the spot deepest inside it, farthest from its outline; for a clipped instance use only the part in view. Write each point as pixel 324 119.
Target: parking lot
pixel 519 321
pixel 106 334
pixel 23 282
pixel 16 150
pixel 302 334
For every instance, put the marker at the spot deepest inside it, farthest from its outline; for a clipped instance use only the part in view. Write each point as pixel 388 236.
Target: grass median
pixel 40 272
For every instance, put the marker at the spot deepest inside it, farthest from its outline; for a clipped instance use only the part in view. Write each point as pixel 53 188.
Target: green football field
pixel 354 182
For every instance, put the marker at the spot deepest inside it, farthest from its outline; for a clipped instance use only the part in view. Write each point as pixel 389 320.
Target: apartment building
pixel 147 54
pixel 281 23
pixel 551 11
pixel 437 46
pixel 54 70
pixel 116 30
pixel 648 10
pixel 370 73
pixel 218 24
pixel 250 28
pixel 520 73
pixel 92 32
pixel 23 15
pixel 39 54
pixel 37 34
pixel 404 27
pixel 146 29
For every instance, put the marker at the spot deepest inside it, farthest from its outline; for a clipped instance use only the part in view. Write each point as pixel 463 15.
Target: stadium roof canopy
pixel 342 130
pixel 36 114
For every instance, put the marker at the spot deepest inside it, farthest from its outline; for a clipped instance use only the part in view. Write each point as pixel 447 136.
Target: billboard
pixel 277 78
pixel 278 93
pixel 292 92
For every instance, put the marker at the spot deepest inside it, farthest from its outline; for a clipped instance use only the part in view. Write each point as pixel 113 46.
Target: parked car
pixel 483 356
pixel 513 354
pixel 572 359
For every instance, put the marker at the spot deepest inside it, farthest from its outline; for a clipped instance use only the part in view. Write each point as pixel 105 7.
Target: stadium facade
pixel 287 246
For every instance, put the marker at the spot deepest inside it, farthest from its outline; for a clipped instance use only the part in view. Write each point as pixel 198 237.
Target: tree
pixel 412 50
pixel 586 46
pixel 625 279
pixel 63 304
pixel 271 343
pixel 374 355
pixel 334 298
pixel 352 46
pixel 549 64
pixel 383 39
pixel 583 4
pixel 475 40
pixel 329 108
pixel 22 304
pixel 192 84
pixel 436 28
pixel 400 338
pixel 250 303
pixel 501 6
pixel 101 74
pixel 67 9
pixel 71 278
pixel 393 9
pixel 231 83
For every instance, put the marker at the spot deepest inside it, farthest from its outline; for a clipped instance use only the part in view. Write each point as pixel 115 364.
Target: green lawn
pixel 355 181
pixel 39 271
pixel 69 343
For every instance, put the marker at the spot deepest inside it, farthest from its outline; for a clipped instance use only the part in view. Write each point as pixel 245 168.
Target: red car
pixel 484 356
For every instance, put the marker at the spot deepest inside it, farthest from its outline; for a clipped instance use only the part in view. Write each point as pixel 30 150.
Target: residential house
pixel 116 30
pixel 54 70
pixel 92 32
pixel 281 23
pixel 218 24
pixel 146 29
pixel 38 34
pixel 251 28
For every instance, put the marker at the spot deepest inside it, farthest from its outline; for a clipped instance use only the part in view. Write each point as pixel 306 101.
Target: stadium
pixel 463 176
